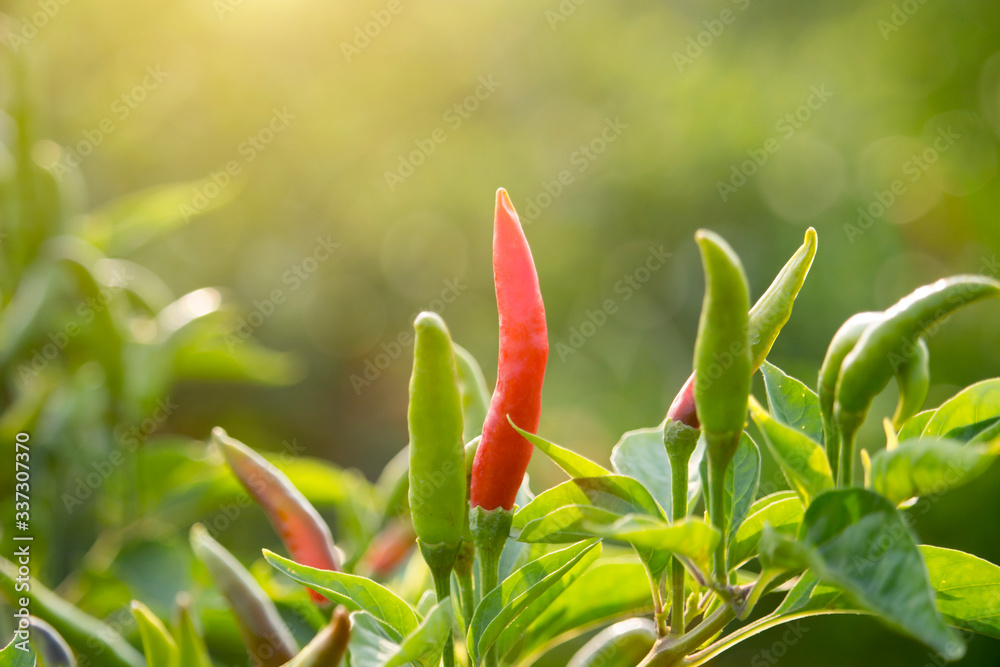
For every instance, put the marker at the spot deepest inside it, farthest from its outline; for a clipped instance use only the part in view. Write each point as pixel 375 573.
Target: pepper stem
pixel 490 529
pixel 440 559
pixel 680 441
pixel 720 450
pixel 463 574
pixel 848 436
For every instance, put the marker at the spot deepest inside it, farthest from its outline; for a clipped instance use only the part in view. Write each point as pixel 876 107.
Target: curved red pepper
pixel 503 454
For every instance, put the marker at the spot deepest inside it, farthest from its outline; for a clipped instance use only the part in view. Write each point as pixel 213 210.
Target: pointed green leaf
pixel 190 645
pixel 559 514
pixel 742 479
pixel 782 511
pixel 12 655
pixel 968 589
pixel 691 538
pixel 928 466
pixel 984 431
pixel 354 592
pixel 792 403
pixel 572 463
pixel 424 644
pixel 515 593
pixel 857 540
pixel 159 646
pixel 641 454
pixel 973 404
pixel 802 461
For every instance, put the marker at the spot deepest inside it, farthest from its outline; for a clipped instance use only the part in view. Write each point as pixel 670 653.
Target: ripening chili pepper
pixel 301 528
pixel 867 368
pixel 437 454
pixel 503 454
pixel 913 375
pixel 723 366
pixel 389 548
pixel 328 647
pixel 766 320
pixel 842 343
pixel 265 635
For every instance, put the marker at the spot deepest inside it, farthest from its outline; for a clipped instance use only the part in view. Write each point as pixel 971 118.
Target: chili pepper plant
pixel 665 554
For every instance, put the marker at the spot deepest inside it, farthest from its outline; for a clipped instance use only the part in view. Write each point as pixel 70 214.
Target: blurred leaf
pixel 782 511
pixel 792 403
pixel 973 404
pixel 123 224
pixel 475 393
pixel 160 647
pixel 52 649
pixel 984 431
pixel 12 656
pixel 191 647
pixel 802 461
pixel 691 538
pixel 624 644
pixel 928 466
pixel 642 455
pixel 914 426
pixel 354 592
pixel 968 589
pixel 515 593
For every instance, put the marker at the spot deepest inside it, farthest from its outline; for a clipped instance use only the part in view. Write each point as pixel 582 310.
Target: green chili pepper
pixel 266 636
pixel 623 644
pixel 842 343
pixel 723 366
pixel 475 393
pixel 328 647
pixel 766 319
pixel 437 455
pixel 160 647
pixel 913 375
pixel 867 368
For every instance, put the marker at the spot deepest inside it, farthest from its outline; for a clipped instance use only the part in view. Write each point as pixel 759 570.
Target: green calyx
pixel 437 483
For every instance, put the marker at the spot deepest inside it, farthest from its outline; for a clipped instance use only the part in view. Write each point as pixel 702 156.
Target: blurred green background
pixel 356 148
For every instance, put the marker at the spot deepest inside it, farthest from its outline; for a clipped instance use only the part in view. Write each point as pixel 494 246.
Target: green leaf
pixel 515 593
pixel 914 426
pixel 475 393
pixel 572 463
pixel 742 479
pixel 973 404
pixel 857 540
pixel 782 511
pixel 354 592
pixel 612 588
pixel 802 461
pixel 968 589
pixel 641 454
pixel 983 431
pixel 370 643
pixel 928 466
pixel 691 538
pixel 159 646
pixel 510 643
pixel 425 643
pixel 792 403
pixel 12 656
pixel 558 515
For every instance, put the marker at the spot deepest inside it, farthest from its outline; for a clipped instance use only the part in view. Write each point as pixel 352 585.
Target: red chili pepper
pixel 683 409
pixel 389 549
pixel 301 528
pixel 503 453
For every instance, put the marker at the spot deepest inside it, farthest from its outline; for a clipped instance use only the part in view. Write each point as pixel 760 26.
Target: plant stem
pixel 717 510
pixel 490 529
pixel 848 436
pixel 670 652
pixel 442 586
pixel 440 559
pixel 679 498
